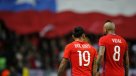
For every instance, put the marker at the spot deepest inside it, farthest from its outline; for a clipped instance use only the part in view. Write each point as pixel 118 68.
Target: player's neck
pixel 111 32
pixel 79 39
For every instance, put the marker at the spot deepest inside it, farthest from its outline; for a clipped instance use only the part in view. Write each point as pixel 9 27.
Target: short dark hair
pixel 108 21
pixel 78 31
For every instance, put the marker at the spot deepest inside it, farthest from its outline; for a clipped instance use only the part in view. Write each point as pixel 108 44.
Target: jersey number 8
pixel 116 55
pixel 82 56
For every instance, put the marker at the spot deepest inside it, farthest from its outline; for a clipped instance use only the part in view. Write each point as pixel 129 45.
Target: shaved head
pixel 109 26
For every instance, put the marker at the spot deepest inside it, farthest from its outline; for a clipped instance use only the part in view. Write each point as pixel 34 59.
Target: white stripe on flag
pixel 111 7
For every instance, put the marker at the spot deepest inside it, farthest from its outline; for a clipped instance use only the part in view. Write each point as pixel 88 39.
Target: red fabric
pixel 81 56
pixel 27 22
pixel 116 47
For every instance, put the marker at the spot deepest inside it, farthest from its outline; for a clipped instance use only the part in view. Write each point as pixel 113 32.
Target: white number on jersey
pixel 82 57
pixel 116 55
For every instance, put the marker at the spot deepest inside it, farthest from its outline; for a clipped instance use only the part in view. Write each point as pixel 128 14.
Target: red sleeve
pixel 96 54
pixel 67 51
pixel 101 41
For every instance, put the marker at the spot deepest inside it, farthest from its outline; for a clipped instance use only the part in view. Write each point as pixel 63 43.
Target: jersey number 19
pixel 82 57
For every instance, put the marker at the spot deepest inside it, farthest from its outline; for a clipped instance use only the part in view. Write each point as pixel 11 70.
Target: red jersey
pixel 115 48
pixel 81 56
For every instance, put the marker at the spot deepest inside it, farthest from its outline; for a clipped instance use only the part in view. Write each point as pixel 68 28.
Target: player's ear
pixel 73 37
pixel 83 35
pixel 104 30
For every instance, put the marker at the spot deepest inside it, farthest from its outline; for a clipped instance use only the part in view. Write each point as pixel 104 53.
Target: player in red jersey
pixel 113 52
pixel 81 55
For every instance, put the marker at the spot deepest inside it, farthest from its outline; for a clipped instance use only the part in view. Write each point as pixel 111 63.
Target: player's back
pixel 81 57
pixel 115 48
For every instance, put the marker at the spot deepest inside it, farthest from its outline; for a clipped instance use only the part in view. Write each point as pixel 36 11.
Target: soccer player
pixel 113 52
pixel 81 55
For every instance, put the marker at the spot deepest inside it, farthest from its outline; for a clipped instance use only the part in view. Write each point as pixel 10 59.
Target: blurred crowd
pixel 35 52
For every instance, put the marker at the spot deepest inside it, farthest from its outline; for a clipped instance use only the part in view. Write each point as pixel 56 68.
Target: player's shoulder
pixel 93 48
pixel 103 38
pixel 121 38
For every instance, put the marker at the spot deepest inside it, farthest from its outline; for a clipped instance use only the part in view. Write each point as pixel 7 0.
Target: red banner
pixel 27 22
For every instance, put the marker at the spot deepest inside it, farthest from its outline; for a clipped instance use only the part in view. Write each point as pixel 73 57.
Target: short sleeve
pixel 101 41
pixel 95 54
pixel 67 51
